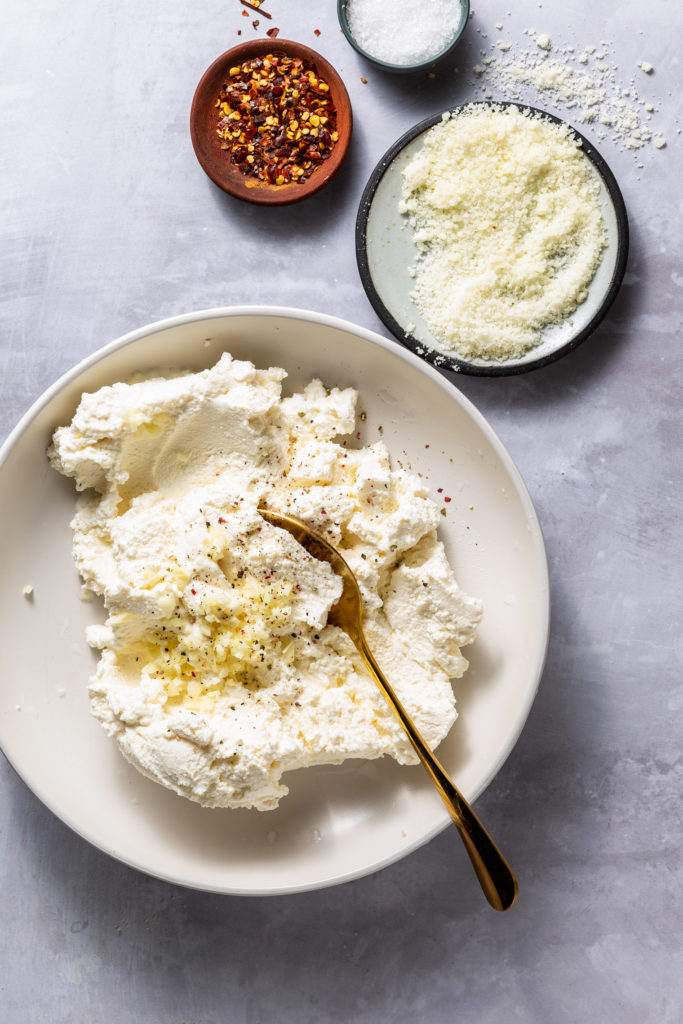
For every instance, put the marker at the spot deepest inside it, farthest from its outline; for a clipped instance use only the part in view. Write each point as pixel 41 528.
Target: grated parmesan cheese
pixel 505 216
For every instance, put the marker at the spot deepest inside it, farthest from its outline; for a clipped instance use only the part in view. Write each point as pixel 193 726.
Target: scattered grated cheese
pixel 554 75
pixel 505 216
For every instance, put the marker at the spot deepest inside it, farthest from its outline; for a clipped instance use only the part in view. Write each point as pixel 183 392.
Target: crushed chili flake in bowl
pixel 271 122
pixel 277 119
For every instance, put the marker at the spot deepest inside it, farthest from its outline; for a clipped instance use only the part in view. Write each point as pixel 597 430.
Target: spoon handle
pixel 493 871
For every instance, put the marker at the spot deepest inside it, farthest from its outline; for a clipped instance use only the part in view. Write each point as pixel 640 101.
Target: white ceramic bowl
pixel 337 823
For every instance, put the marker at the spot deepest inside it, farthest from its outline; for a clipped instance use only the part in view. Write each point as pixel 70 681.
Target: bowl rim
pixel 235 184
pixel 446 361
pixel 328 320
pixel 404 68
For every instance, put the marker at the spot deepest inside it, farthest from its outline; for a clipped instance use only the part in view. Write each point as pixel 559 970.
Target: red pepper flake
pixel 445 498
pixel 245 14
pixel 439 490
pixel 193 676
pixel 256 23
pixel 221 519
pixel 255 5
pixel 316 31
pixel 324 511
pixel 192 590
pixel 273 32
pixel 426 446
pixel 276 118
pixel 239 31
pixel 364 80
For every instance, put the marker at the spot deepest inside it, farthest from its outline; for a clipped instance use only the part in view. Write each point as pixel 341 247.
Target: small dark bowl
pixel 403 69
pixel 216 161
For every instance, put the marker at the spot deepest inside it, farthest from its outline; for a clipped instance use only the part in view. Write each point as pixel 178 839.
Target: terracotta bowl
pixel 216 161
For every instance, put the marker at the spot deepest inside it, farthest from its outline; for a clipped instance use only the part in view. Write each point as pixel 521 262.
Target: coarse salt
pixel 402 31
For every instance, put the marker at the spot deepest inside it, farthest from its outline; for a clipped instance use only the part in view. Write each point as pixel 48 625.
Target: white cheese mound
pixel 218 670
pixel 505 216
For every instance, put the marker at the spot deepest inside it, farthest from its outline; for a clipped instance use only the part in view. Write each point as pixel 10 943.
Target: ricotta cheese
pixel 218 671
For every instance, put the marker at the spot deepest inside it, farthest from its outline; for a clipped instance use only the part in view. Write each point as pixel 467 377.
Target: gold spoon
pixel 494 874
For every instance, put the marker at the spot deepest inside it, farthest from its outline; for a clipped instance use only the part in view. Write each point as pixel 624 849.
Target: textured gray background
pixel 109 223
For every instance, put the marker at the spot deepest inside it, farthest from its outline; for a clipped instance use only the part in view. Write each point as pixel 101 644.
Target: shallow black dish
pixel 384 252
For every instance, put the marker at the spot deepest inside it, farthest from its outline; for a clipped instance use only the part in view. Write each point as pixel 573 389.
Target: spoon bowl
pixel 495 876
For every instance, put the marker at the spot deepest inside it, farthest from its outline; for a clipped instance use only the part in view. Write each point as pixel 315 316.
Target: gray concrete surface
pixel 109 223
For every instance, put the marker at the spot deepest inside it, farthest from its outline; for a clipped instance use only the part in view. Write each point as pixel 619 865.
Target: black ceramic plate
pixel 385 253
